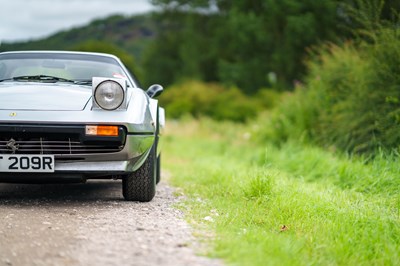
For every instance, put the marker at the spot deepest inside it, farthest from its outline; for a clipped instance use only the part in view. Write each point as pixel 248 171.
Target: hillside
pixel 131 33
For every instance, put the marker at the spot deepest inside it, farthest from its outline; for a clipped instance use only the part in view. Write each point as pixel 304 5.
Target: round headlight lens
pixel 109 95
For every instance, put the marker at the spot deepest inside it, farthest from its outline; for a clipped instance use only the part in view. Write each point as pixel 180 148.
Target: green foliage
pixel 360 115
pixel 267 98
pixel 351 99
pixel 241 43
pixel 208 99
pixel 365 17
pixel 179 52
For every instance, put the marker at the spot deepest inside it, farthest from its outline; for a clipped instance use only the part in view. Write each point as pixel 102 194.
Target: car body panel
pixel 44 97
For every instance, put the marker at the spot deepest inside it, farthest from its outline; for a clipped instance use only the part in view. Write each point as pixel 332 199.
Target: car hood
pixel 44 96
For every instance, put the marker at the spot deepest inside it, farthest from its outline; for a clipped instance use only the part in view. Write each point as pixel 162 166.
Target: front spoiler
pixel 92 167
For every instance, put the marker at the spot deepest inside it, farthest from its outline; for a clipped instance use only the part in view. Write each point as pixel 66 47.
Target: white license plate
pixel 27 163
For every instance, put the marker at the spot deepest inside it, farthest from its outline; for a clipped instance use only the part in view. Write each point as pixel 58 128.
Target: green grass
pixel 295 205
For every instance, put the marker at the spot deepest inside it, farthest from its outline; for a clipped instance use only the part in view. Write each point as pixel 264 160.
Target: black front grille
pixel 44 146
pixel 62 140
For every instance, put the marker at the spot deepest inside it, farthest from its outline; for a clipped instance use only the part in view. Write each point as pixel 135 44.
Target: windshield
pixel 63 67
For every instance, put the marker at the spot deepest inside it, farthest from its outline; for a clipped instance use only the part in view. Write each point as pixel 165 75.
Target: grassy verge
pixel 294 205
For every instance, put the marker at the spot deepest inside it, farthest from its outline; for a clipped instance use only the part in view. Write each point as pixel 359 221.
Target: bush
pixel 267 98
pixel 208 99
pixel 294 117
pixel 351 100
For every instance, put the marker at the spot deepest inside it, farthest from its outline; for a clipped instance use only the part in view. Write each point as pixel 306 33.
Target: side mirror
pixel 154 90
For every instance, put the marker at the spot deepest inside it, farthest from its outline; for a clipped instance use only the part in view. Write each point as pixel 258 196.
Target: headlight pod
pixel 109 95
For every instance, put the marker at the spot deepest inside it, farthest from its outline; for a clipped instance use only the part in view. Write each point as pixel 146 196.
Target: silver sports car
pixel 73 116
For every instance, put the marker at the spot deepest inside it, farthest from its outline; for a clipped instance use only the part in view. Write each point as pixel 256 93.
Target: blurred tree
pixel 363 18
pixel 243 42
pixel 184 48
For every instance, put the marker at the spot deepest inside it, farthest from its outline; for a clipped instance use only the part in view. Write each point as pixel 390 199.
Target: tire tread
pixel 141 184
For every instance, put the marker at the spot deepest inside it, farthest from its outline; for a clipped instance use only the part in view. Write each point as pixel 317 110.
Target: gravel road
pixel 90 224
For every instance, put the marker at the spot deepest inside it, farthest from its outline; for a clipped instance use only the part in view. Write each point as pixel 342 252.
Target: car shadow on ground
pixel 92 191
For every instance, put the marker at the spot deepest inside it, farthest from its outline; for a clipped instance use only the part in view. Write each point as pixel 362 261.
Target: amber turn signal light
pixel 102 131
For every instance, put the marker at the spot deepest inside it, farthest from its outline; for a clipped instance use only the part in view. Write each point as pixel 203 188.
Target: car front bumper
pixel 80 166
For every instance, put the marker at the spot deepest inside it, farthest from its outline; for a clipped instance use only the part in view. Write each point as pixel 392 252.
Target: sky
pixel 22 20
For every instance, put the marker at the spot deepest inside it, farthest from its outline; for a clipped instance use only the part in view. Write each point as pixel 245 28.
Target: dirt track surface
pixel 90 224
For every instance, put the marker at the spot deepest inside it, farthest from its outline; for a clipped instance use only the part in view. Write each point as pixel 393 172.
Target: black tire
pixel 141 184
pixel 158 169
